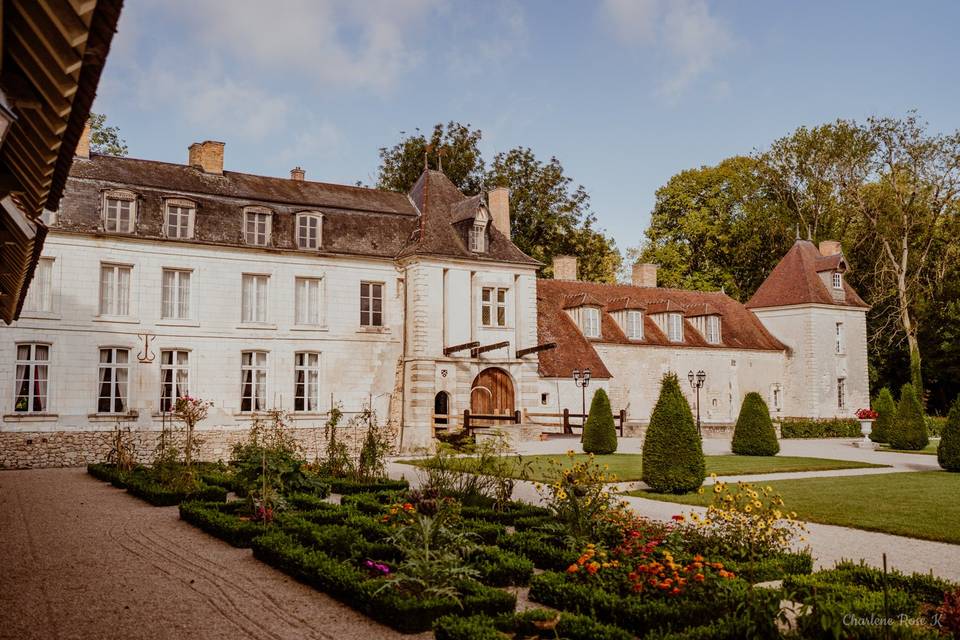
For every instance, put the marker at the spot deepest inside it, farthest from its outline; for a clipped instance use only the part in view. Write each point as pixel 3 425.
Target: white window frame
pixel 113 368
pixel 255 298
pixel 175 367
pixel 493 306
pixel 307 238
pixel 675 327
pixel 713 329
pixel 34 367
pixel 117 305
pixel 259 372
pixel 306 394
pixel 634 322
pixel 40 295
pixel 308 301
pixel 590 318
pixel 367 316
pixel 172 305
pixel 258 237
pixel 478 237
pixel 183 229
pixel 837 280
pixel 113 205
pixel 840 342
pixel 841 393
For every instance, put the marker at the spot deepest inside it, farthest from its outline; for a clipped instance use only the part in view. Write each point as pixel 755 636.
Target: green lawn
pixel 930 449
pixel 627 466
pixel 918 505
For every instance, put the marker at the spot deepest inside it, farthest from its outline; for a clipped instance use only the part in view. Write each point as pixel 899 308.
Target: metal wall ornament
pixel 146 356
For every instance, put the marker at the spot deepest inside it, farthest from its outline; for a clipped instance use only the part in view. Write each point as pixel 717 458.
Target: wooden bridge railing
pixel 469 419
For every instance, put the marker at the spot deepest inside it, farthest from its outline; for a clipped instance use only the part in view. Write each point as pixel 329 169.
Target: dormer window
pixel 119 211
pixel 478 237
pixel 635 325
pixel 675 327
pixel 713 329
pixel 837 280
pixel 178 219
pixel 256 227
pixel 308 230
pixel 590 317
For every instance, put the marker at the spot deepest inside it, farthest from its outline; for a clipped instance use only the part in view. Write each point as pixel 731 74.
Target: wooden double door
pixel 492 394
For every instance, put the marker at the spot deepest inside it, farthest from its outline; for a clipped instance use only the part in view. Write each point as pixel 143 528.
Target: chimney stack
pixel 564 267
pixel 645 275
pixel 208 155
pixel 83 144
pixel 498 201
pixel 298 174
pixel 829 248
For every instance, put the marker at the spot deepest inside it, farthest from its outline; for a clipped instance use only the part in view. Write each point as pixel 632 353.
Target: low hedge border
pixel 524 625
pixel 220 519
pixel 543 549
pixel 774 567
pixel 339 540
pixel 509 516
pixel 374 503
pixel 926 588
pixel 160 496
pixel 500 568
pixel 346 486
pixel 819 428
pixel 107 473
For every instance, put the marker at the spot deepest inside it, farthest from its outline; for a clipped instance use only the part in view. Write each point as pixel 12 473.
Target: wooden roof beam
pixel 64 15
pixel 64 83
pixel 51 94
pixel 46 32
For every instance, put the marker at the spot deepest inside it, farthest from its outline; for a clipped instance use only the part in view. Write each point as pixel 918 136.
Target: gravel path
pixel 82 559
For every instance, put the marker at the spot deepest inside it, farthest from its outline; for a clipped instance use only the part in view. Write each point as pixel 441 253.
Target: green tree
pixel 452 147
pixel 599 431
pixel 753 434
pixel 948 452
pixel 103 139
pixel 909 430
pixel 886 410
pixel 672 450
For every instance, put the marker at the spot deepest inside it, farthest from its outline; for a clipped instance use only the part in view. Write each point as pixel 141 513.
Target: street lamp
pixel 696 382
pixel 582 379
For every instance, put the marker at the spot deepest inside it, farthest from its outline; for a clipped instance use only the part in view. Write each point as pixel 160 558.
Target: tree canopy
pixel 105 139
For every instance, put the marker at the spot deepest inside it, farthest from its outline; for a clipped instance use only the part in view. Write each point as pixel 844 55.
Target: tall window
pixel 114 290
pixel 839 338
pixel 776 397
pixel 841 393
pixel 40 295
pixel 253 373
pixel 591 322
pixel 119 212
pixel 254 298
pixel 256 228
pixel 713 329
pixel 478 238
pixel 635 325
pixel 493 307
pixel 114 373
pixel 178 220
pixel 308 301
pixel 175 298
pixel 308 231
pixel 174 377
pixel 306 381
pixel 837 280
pixel 675 327
pixel 33 362
pixel 371 304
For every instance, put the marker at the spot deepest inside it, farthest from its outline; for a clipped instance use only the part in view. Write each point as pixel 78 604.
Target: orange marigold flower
pixel 573 568
pixel 675 591
pixel 699 577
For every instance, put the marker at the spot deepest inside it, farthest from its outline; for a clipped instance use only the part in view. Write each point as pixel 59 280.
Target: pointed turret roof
pixel 796 280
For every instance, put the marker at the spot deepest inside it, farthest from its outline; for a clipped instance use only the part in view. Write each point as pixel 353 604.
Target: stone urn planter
pixel 866 418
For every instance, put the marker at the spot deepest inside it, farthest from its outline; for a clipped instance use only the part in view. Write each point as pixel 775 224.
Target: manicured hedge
pixel 599 431
pixel 774 567
pixel 487 532
pixel 221 519
pixel 927 588
pixel 819 428
pixel 510 515
pixel 107 473
pixel 948 451
pixel 158 495
pixel 754 434
pixel 672 449
pixel 524 625
pixel 500 568
pixel 346 486
pixel 374 503
pixel 936 425
pixel 543 549
pixel 730 627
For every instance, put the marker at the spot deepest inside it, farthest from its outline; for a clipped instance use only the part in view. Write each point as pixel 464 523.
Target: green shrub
pixel 221 519
pixel 599 431
pixel 773 567
pixel 500 568
pixel 886 409
pixel 672 450
pixel 935 425
pixel 108 473
pixel 948 452
pixel 754 434
pixel 545 550
pixel 145 487
pixel 819 428
pixel 519 514
pixel 456 627
pixel 346 485
pixel 924 587
pixel 909 431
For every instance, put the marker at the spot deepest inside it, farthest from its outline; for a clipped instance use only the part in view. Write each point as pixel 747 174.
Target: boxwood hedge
pixel 222 519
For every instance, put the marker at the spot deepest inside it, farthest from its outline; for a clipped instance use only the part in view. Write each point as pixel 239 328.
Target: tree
pixel 672 450
pixel 103 139
pixel 948 452
pixel 753 434
pixel 599 431
pixel 886 410
pixel 909 430
pixel 453 147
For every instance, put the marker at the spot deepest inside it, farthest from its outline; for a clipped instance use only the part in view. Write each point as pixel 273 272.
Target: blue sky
pixel 625 93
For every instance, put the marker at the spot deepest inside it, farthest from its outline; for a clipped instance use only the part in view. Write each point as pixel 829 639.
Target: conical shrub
pixel 948 453
pixel 672 450
pixel 886 410
pixel 599 432
pixel 909 430
pixel 754 434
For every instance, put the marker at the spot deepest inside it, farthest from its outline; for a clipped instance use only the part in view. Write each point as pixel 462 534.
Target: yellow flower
pixel 748 508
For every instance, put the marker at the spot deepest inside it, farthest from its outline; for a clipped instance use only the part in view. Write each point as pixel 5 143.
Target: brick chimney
pixel 83 144
pixel 644 275
pixel 208 155
pixel 564 267
pixel 829 248
pixel 298 174
pixel 498 201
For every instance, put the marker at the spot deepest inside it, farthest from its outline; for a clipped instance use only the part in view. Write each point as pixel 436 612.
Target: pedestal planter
pixel 866 426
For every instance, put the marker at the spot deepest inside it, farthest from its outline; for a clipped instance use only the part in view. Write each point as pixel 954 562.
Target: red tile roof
pixel 741 328
pixel 795 280
pixel 625 303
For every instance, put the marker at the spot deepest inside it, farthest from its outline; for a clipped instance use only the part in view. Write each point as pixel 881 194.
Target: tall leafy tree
pixel 453 147
pixel 105 139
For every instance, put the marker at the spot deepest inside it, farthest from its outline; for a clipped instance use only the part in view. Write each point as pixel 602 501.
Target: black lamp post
pixel 582 379
pixel 696 382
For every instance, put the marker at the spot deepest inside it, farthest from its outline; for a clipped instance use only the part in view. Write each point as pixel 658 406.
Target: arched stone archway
pixel 492 393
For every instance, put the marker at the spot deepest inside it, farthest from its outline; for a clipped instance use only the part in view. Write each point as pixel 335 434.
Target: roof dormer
pixel 585 310
pixel 707 320
pixel 668 316
pixel 628 314
pixel 477 233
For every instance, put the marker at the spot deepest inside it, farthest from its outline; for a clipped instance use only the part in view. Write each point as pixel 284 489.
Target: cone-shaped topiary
pixel 909 429
pixel 948 453
pixel 672 450
pixel 599 432
pixel 886 410
pixel 754 434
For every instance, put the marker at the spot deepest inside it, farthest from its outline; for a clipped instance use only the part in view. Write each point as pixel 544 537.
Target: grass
pixel 930 449
pixel 918 505
pixel 627 466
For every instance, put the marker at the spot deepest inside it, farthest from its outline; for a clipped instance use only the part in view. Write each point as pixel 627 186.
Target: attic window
pixel 256 227
pixel 308 230
pixel 178 219
pixel 119 211
pixel 635 325
pixel 675 327
pixel 478 237
pixel 837 280
pixel 591 321
pixel 713 329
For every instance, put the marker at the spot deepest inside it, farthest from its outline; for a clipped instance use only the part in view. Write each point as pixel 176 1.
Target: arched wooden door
pixel 492 393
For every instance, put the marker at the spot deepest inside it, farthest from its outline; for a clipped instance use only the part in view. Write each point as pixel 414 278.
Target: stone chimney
pixel 208 155
pixel 498 201
pixel 83 144
pixel 564 267
pixel 644 275
pixel 298 174
pixel 829 248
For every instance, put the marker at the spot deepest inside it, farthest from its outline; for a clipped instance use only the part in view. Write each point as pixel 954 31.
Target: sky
pixel 625 93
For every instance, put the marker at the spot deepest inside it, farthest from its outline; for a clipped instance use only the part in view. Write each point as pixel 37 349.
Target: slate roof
pixel 741 329
pixel 795 280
